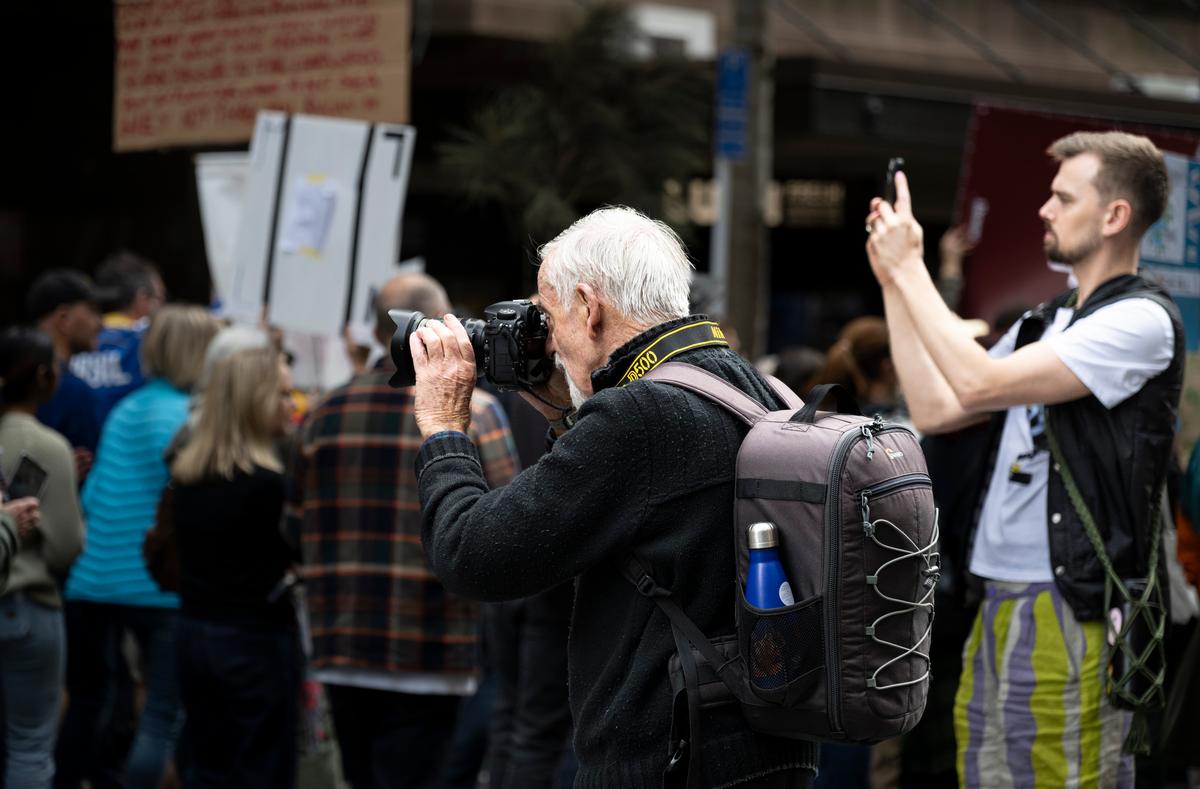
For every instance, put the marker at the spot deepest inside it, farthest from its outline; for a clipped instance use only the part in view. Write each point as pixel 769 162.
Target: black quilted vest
pixel 1119 457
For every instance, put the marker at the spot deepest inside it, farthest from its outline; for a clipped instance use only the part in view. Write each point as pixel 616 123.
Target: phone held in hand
pixel 29 479
pixel 895 164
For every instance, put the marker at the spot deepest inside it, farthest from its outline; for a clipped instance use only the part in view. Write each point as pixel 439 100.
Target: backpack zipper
pixel 896 483
pixel 904 480
pixel 833 566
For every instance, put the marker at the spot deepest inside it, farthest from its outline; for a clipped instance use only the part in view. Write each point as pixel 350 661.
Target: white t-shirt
pixel 1114 352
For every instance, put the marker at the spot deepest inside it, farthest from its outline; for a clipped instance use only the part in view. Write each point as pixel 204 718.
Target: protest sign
pixel 320 222
pixel 192 72
pixel 221 188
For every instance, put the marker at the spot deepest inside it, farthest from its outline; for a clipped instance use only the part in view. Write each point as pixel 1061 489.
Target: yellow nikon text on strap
pixel 694 335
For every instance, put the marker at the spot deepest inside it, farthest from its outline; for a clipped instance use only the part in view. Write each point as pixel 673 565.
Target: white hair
pixel 637 264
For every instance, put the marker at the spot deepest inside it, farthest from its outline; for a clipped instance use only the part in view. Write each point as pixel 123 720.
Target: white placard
pixel 246 297
pixel 384 190
pixel 320 204
pixel 309 285
pixel 221 188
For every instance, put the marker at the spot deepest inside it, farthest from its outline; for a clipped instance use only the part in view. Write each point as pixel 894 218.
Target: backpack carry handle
pixel 846 403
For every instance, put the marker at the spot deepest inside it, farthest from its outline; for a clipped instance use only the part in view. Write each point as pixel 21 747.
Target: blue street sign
pixel 733 78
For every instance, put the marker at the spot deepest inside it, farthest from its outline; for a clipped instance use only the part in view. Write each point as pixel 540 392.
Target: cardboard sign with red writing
pixel 194 72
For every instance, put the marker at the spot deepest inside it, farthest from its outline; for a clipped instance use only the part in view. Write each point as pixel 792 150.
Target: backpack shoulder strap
pixel 790 398
pixel 711 387
pixel 730 671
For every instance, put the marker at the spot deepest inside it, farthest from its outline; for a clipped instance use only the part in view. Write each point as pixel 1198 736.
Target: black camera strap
pixel 567 412
pixel 700 334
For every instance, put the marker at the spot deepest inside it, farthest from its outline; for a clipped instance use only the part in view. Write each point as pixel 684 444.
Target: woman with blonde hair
pixel 239 656
pixel 109 591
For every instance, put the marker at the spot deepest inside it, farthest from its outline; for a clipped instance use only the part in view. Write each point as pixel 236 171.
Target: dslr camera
pixel 509 343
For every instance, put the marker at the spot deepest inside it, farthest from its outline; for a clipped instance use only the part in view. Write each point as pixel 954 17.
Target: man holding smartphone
pixel 1098 369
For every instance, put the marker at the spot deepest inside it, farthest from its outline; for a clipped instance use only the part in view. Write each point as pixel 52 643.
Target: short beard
pixel 578 398
pixel 1071 256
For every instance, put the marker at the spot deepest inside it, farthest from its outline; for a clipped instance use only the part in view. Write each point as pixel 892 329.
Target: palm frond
pixel 600 126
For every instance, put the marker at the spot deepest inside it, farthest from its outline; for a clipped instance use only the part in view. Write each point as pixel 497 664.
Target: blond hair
pixel 238 414
pixel 174 345
pixel 1131 167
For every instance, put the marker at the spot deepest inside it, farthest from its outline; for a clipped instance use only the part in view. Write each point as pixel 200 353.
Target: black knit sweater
pixel 647 468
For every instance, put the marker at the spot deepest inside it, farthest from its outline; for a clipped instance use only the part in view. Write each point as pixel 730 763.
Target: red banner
pixel 1005 179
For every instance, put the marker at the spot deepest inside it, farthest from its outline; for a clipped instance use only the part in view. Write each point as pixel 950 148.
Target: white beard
pixel 578 398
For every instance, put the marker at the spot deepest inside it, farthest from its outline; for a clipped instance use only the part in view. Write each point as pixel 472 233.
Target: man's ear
pixel 56 319
pixel 593 309
pixel 1116 218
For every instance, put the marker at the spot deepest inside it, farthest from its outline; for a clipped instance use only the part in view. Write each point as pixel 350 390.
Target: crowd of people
pixel 426 586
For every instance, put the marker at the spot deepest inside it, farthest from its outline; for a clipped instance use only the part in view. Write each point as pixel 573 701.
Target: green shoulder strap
pixel 1147 606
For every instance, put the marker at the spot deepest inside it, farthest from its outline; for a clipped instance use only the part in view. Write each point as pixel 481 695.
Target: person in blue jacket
pixel 135 292
pixel 65 305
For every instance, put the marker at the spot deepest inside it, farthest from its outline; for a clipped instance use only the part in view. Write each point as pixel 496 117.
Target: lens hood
pixel 407 322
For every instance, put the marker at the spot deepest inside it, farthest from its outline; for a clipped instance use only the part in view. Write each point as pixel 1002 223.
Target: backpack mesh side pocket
pixel 783 648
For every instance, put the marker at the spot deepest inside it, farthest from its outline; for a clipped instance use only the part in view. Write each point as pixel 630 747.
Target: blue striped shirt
pixel 120 498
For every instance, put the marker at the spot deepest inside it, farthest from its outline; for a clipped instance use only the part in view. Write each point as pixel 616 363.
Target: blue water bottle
pixel 766 585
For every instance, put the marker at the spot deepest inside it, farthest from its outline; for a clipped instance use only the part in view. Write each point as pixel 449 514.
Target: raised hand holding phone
pixel 895 165
pixel 896 238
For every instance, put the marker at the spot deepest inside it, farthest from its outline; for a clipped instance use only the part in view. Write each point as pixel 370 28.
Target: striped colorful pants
pixel 1030 710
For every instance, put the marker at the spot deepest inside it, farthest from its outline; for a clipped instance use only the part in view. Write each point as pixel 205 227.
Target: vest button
pixel 1056 518
pixel 1057 468
pixel 1060 571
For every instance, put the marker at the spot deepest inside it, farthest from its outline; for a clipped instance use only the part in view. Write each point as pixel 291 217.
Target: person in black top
pixel 65 305
pixel 240 669
pixel 640 467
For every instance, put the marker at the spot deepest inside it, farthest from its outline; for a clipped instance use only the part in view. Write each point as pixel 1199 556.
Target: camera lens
pixel 407 322
pixel 509 344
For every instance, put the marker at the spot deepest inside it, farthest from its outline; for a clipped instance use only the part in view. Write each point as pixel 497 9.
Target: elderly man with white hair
pixel 636 467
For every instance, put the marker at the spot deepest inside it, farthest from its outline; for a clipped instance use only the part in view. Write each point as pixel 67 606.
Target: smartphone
pixel 979 210
pixel 28 480
pixel 895 164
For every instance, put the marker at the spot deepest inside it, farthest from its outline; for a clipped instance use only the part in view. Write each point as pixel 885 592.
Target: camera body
pixel 509 344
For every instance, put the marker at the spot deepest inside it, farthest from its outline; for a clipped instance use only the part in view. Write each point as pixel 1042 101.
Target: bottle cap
pixel 762 535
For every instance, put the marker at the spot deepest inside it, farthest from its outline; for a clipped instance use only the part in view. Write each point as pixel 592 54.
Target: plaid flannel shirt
pixel 353 508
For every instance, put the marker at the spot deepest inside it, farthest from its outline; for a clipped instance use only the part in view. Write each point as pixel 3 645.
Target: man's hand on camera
pixel 896 239
pixel 444 362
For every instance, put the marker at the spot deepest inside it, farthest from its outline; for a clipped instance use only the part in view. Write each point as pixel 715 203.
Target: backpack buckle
pixel 647 587
pixel 678 755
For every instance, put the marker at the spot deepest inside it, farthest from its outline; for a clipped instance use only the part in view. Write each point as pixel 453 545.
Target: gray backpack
pixel 852 504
